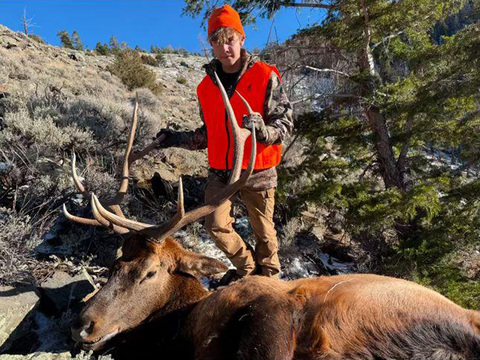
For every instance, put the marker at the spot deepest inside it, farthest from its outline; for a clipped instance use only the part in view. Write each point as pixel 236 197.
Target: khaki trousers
pixel 260 204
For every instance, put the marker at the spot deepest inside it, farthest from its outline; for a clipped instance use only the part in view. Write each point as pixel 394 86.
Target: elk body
pixel 154 291
pixel 154 301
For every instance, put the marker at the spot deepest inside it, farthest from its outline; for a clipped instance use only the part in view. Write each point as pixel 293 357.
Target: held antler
pixel 114 202
pixel 180 219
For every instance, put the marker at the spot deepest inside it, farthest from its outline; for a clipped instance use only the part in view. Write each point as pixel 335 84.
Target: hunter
pixel 260 84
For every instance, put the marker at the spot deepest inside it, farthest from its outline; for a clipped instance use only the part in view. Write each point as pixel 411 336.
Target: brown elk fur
pixel 340 317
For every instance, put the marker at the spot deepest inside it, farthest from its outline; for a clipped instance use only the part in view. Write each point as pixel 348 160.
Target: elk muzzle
pixel 89 333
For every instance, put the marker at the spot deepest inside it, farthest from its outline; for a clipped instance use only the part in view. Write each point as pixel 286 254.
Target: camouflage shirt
pixel 278 120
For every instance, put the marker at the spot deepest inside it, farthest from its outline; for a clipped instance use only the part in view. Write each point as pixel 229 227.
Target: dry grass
pixel 16 243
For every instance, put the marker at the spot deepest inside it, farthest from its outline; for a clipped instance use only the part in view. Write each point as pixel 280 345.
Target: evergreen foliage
pixel 65 39
pixel 77 41
pixel 406 147
pixel 70 42
pixel 102 49
pixel 114 45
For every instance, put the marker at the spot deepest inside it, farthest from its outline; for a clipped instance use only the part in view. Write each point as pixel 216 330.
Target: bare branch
pixel 327 70
pixel 386 39
pixel 27 23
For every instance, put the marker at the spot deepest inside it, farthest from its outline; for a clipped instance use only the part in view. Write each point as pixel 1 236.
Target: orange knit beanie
pixel 225 16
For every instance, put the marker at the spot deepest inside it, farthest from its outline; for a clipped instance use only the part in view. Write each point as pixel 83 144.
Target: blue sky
pixel 140 22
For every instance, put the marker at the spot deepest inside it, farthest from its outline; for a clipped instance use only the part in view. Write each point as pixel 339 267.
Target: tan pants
pixel 260 211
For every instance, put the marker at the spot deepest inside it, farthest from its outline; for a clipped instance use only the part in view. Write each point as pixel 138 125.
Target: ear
pixel 198 265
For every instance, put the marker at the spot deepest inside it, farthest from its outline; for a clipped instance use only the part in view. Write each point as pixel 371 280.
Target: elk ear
pixel 199 265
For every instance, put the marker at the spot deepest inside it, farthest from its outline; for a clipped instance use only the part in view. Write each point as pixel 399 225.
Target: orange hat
pixel 225 16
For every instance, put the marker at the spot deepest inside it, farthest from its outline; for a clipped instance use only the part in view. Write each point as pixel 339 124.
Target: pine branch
pixel 312 5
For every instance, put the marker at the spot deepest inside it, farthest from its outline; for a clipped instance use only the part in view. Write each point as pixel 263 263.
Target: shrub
pixel 146 99
pixel 41 129
pixel 181 80
pixel 160 59
pixel 149 60
pixel 16 244
pixel 36 38
pixel 128 66
pixel 184 64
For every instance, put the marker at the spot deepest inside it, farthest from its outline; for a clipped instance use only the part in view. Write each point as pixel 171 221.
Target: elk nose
pixel 82 328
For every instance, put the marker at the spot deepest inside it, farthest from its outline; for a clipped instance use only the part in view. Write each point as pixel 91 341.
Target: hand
pixel 256 120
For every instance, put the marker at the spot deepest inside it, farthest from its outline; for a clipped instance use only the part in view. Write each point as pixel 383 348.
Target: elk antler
pixel 160 232
pixel 114 202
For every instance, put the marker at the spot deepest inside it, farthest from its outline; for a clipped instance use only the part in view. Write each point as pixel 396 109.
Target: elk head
pixel 155 274
pixel 151 278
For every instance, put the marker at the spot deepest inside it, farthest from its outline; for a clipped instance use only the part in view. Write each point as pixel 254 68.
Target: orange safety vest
pixel 252 86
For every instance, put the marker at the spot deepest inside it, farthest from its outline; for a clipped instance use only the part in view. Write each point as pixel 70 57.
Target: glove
pixel 256 120
pixel 169 138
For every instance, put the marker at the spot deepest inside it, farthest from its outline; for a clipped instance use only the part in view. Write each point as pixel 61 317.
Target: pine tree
pixel 101 49
pixel 114 45
pixel 76 41
pixel 65 39
pixel 407 94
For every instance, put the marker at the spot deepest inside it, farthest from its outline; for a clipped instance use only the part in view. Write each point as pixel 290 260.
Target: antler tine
pixel 180 206
pixel 85 193
pixel 239 134
pixel 245 102
pixel 114 203
pixel 117 220
pixel 103 221
pixel 79 219
pixel 76 179
pixel 125 173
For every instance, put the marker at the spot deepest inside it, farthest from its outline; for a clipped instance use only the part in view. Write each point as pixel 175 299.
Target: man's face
pixel 229 53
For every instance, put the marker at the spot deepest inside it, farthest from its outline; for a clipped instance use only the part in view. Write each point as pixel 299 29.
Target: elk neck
pixel 186 292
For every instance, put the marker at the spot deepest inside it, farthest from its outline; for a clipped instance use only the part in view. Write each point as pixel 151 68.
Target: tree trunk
pixel 392 176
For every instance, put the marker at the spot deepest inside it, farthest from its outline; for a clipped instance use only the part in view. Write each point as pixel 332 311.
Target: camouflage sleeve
pixel 278 112
pixel 191 140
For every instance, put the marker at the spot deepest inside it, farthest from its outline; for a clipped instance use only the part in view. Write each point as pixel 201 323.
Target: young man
pixel 260 84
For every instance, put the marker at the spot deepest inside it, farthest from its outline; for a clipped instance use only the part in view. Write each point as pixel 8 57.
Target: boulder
pixel 16 306
pixel 62 292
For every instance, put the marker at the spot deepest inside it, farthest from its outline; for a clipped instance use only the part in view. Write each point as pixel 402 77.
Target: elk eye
pixel 150 274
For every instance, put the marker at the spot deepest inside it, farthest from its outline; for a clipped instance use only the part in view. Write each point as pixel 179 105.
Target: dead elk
pixel 154 299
